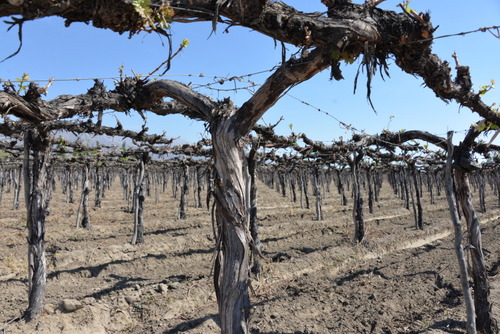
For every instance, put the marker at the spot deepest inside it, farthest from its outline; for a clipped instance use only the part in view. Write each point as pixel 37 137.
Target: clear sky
pixel 402 102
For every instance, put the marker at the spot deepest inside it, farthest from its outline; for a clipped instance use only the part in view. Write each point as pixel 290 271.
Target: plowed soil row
pixel 315 280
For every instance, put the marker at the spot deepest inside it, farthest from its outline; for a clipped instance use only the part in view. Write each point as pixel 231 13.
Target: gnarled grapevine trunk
pixel 83 216
pixel 184 192
pixel 231 272
pixel 357 209
pixel 37 145
pixel 138 203
pixel 416 201
pixel 317 193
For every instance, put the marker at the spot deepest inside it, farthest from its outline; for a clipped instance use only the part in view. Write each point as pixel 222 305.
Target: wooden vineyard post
pixel 457 227
pixel 485 323
pixel 36 144
pixel 484 318
pixel 252 214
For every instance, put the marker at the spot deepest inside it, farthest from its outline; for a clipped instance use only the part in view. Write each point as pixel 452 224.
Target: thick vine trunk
pixel 357 209
pixel 340 188
pixel 35 174
pixel 69 184
pixel 369 180
pixel 282 181
pixel 405 187
pixel 305 187
pixel 317 194
pixel 83 216
pixel 485 322
pixel 199 182
pixel 231 272
pixel 292 181
pixel 482 196
pixel 419 221
pixel 138 203
pixel 300 182
pixel 184 193
pixel 98 186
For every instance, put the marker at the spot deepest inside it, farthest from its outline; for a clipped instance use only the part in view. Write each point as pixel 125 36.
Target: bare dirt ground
pixel 315 280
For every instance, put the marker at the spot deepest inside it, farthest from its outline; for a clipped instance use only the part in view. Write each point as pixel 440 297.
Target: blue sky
pixel 81 51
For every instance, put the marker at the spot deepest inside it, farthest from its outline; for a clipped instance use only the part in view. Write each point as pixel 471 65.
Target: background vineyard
pixel 400 279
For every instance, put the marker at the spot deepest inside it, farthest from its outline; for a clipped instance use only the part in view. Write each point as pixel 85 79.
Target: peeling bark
pixel 35 174
pixel 231 275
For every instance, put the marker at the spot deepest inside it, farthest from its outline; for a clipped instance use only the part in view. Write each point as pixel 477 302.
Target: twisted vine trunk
pixel 37 145
pixel 340 188
pixel 138 204
pixel 416 202
pixel 184 193
pixel 357 209
pixel 199 182
pixel 83 216
pixel 231 273
pixel 98 186
pixel 369 180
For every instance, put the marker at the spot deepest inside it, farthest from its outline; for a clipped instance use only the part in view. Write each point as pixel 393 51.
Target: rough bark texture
pixel 231 273
pixel 138 202
pixel 35 174
pixel 83 216
pixel 419 220
pixel 184 192
pixel 350 30
pixel 357 209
